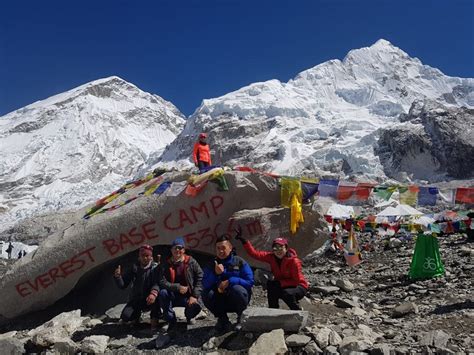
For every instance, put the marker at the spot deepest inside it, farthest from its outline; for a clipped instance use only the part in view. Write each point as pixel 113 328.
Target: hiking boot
pixel 154 324
pixel 170 327
pixel 223 325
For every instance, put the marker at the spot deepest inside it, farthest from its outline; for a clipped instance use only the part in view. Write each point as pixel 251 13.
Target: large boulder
pixel 260 319
pixel 270 343
pixel 134 218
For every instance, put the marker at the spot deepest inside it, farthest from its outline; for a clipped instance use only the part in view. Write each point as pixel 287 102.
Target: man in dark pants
pixel 227 285
pixel 289 283
pixel 202 152
pixel 181 285
pixel 144 278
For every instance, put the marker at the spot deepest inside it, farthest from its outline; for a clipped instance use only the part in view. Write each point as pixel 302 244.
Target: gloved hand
pixel 238 235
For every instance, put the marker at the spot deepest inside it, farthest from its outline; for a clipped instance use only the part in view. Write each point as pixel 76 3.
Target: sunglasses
pixel 178 247
pixel 278 247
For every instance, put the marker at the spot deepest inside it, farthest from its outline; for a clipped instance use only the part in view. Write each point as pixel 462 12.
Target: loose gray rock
pixel 120 343
pixel 10 345
pixel 380 349
pixel 91 323
pixel 331 350
pixel 115 311
pixel 260 319
pixel 436 338
pixel 269 343
pixel 60 327
pixel 394 243
pixel 357 311
pixel 65 346
pixel 312 348
pixel 345 303
pixel 466 251
pixel 345 285
pixel 351 344
pixel 334 338
pixel 326 290
pixel 95 344
pixel 445 351
pixel 404 309
pixel 297 340
pixel 322 337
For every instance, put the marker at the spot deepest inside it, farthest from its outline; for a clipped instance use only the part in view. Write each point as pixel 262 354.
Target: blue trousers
pixel 169 299
pixel 235 299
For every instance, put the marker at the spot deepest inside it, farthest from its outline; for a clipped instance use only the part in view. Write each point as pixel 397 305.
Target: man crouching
pixel 144 278
pixel 180 283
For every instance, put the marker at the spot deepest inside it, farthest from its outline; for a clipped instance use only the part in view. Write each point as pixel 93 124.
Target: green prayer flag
pixel 221 183
pixel 385 192
pixel 426 262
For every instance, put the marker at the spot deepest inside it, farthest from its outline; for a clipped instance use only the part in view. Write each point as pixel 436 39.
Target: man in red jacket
pixel 202 152
pixel 289 283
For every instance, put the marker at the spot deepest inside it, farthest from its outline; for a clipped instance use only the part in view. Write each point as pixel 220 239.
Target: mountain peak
pixel 381 51
pixel 382 43
pixel 111 80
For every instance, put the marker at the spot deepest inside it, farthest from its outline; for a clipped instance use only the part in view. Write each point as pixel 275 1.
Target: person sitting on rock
pixel 202 152
pixel 180 284
pixel 144 278
pixel 227 285
pixel 289 283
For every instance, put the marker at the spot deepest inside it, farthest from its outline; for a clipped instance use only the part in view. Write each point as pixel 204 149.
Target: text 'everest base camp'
pixel 328 214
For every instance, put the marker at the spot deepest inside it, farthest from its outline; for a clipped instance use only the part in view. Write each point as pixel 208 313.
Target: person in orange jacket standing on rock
pixel 202 152
pixel 289 283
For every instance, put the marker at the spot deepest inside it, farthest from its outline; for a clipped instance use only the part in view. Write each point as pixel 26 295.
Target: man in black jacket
pixel 144 279
pixel 180 284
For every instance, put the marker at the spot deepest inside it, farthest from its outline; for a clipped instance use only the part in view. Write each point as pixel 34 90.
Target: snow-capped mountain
pixel 74 147
pixel 325 120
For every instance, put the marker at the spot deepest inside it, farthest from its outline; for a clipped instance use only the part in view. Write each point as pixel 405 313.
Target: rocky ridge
pixel 432 142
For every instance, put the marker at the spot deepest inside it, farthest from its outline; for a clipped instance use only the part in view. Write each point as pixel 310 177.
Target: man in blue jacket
pixel 227 285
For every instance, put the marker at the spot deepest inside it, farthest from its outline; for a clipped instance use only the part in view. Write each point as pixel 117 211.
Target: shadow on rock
pixel 115 330
pixel 467 304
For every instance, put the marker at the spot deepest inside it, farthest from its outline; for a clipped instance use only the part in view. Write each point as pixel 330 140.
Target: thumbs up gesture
pixel 218 268
pixel 118 271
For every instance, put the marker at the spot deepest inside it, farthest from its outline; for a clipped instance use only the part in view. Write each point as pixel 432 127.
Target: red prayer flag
pixel 363 191
pixel 464 195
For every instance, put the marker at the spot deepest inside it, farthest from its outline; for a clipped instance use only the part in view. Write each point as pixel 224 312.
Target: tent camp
pixel 400 210
pixel 340 211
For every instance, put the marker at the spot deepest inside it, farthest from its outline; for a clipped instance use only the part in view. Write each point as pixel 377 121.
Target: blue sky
pixel 186 51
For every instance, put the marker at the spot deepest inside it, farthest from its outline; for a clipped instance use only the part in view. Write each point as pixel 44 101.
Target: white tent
pixel 400 210
pixel 340 211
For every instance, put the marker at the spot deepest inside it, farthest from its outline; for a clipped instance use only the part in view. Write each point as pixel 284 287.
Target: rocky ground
pixel 370 308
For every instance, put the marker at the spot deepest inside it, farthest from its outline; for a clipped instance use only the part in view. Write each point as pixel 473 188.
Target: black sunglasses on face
pixel 178 247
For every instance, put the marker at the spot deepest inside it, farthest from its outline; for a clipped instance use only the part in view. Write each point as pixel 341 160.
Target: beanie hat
pixel 146 250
